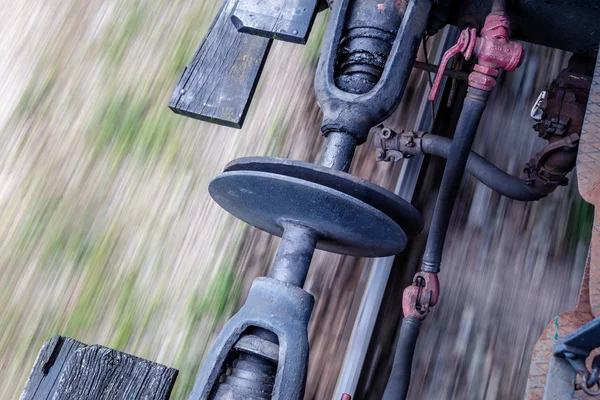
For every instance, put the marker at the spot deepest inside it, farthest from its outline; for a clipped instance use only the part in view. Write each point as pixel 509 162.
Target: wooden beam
pixel 288 20
pixel 219 83
pixel 68 369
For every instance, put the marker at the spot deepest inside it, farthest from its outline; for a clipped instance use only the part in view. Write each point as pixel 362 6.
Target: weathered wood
pixel 68 369
pixel 289 20
pixel 219 83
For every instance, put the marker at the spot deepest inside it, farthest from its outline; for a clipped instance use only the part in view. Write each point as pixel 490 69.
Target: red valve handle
pixel 465 45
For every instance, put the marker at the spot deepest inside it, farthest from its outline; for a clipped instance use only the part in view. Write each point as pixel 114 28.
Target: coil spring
pixel 250 372
pixel 363 53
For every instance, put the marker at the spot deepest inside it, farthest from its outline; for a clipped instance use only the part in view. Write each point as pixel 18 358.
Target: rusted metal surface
pixel 562 115
pixel 562 325
pixel 588 175
pixel 588 304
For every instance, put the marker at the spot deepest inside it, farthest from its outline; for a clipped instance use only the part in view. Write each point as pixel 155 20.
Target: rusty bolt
pixel 386 133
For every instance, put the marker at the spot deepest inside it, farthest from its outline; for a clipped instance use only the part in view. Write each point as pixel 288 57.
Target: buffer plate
pixel 352 216
pixel 392 205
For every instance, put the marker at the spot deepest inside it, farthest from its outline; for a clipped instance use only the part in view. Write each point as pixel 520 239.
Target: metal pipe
pixel 397 387
pixel 378 273
pixel 473 107
pixel 449 72
pixel 298 243
pixel 483 170
pixel 294 254
pixel 498 6
pixel 338 151
pixel 466 128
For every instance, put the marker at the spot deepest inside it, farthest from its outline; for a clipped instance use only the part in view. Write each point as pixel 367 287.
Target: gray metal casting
pixel 311 207
pixel 356 113
pixel 392 205
pixel 278 307
pixel 581 342
pixel 560 381
pixel 568 361
pixel 343 224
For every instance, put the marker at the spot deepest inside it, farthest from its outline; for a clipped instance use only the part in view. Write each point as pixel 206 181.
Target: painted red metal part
pixel 422 294
pixel 494 50
pixel 346 396
pixel 464 45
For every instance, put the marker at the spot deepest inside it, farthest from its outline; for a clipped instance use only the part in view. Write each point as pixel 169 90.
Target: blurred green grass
pixel 109 236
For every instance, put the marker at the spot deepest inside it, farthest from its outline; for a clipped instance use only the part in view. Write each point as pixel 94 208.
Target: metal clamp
pixel 589 379
pixel 394 146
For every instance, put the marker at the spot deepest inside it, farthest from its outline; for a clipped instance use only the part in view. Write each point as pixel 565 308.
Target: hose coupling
pixel 421 295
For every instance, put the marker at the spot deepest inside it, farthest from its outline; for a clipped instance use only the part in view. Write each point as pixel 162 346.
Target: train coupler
pixel 262 352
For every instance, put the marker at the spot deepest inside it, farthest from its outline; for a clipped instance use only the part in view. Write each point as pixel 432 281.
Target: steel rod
pixel 338 151
pixel 463 76
pixel 298 243
pixel 294 254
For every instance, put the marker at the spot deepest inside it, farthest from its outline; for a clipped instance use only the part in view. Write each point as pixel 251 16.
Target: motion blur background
pixel 108 234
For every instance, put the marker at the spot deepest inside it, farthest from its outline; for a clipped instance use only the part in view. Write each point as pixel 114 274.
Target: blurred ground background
pixel 108 234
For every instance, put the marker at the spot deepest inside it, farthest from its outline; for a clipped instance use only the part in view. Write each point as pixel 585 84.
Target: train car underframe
pixel 367 55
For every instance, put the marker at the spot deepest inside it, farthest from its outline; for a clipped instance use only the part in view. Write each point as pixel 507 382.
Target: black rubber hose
pixel 399 381
pixel 466 128
pixel 483 170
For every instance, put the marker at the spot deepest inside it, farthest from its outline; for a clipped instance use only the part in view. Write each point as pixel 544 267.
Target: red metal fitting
pixel 482 81
pixel 346 396
pixel 465 45
pixel 494 50
pixel 421 295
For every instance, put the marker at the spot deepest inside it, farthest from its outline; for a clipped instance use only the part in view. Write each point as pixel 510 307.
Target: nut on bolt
pixel 481 81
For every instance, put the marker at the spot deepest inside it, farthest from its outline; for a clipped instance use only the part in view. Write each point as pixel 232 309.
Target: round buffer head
pixel 350 215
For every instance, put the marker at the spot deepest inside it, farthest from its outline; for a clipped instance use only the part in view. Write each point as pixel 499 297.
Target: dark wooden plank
pixel 67 369
pixel 219 83
pixel 48 366
pixel 288 20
